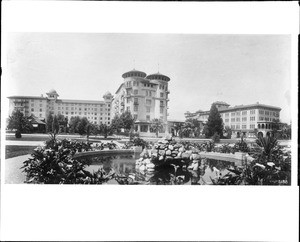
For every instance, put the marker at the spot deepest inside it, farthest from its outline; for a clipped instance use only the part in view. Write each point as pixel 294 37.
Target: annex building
pixel 40 107
pixel 243 119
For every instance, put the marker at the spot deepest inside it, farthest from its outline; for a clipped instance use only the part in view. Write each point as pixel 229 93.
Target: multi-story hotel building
pixel 243 119
pixel 145 96
pixel 95 111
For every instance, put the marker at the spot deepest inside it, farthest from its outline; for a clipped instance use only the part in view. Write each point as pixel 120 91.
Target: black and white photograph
pixel 191 106
pixel 157 109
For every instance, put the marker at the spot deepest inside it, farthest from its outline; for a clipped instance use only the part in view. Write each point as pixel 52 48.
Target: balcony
pixel 168 91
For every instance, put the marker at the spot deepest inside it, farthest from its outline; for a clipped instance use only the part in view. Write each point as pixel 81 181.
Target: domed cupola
pixel 158 76
pixel 52 94
pixel 134 73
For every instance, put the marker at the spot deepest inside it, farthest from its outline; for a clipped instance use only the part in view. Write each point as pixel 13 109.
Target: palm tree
pixel 228 132
pixel 156 126
pixel 177 127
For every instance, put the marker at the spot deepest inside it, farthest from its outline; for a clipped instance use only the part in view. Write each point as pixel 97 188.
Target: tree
pixel 55 125
pixel 74 121
pixel 116 124
pixel 19 122
pixel 214 123
pixel 156 126
pixel 177 128
pixel 63 122
pixel 105 130
pixel 193 126
pixel 187 129
pixel 82 126
pixel 49 123
pixel 275 127
pixel 228 132
pixel 126 120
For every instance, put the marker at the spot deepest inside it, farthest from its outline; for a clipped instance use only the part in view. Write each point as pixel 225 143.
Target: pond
pixel 124 168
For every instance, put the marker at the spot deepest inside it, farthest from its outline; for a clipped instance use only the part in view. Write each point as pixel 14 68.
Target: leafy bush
pixel 226 148
pixel 241 146
pixel 140 142
pixel 133 135
pixel 102 146
pixel 55 164
pixel 215 138
pixel 18 134
pixel 270 166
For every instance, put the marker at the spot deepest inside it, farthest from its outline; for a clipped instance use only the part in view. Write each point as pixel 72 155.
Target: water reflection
pixel 126 172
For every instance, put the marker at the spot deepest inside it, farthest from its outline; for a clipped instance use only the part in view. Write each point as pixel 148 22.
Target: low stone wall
pixel 105 152
pixel 238 158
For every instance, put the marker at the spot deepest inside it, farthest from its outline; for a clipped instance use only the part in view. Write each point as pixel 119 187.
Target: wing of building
pixel 249 120
pixel 95 111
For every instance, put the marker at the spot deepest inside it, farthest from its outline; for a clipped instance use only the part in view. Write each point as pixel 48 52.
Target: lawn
pixel 16 150
pixel 43 137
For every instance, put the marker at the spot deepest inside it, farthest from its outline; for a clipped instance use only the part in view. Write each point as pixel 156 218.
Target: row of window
pixel 243 126
pixel 244 119
pixel 148 109
pixel 238 113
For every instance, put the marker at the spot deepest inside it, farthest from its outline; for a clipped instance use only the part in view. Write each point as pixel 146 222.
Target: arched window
pixel 258 126
pixel 262 126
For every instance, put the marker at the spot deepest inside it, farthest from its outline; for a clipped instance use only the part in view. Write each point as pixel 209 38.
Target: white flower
pixel 270 164
pixel 260 165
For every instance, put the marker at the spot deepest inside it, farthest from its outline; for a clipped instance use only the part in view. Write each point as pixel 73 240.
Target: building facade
pixel 96 112
pixel 145 97
pixel 248 120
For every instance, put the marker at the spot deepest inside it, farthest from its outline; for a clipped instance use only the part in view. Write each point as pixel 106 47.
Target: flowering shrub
pixel 102 146
pixel 137 142
pixel 55 164
pixel 241 146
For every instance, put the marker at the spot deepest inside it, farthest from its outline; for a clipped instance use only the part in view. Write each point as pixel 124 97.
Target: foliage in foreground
pixel 55 164
pixel 270 166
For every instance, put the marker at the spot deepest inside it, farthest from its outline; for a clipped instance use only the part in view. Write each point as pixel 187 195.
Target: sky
pixel 237 69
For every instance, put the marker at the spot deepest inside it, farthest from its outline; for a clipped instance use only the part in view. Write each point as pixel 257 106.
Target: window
pixel 232 114
pixel 41 105
pixel 32 105
pixel 161 103
pixel 135 116
pixel 252 126
pixel 161 110
pixel 148 117
pixel 252 111
pixel 147 109
pixel 161 94
pixel 244 113
pixel 232 126
pixel 232 119
pixel 227 120
pixel 41 110
pixel 244 119
pixel 136 92
pixel 226 114
pixel 261 112
pixel 136 100
pixel 244 126
pixel 32 110
pixel 238 113
pixel 237 126
pixel 148 102
pixel 252 118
